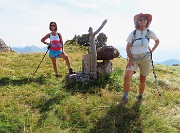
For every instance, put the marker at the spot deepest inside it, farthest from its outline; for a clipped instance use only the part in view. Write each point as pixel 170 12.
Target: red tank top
pixel 55 42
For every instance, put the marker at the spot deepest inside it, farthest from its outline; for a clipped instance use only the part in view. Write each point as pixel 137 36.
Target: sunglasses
pixel 53 25
pixel 141 19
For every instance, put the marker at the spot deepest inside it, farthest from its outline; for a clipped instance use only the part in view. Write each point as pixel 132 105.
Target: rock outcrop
pixel 107 53
pixel 4 47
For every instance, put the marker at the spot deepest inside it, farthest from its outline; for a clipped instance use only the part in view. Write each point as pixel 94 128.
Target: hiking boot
pixel 139 98
pixel 57 75
pixel 123 101
pixel 71 71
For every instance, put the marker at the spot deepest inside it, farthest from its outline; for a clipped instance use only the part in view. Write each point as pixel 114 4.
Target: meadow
pixel 45 104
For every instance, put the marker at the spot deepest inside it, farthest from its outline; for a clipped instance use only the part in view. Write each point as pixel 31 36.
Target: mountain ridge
pixel 34 49
pixel 42 103
pixel 29 49
pixel 169 62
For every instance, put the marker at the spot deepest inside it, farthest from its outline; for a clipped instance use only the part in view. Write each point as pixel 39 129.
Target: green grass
pixel 44 104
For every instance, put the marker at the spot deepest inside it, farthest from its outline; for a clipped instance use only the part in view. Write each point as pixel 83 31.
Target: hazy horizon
pixel 156 57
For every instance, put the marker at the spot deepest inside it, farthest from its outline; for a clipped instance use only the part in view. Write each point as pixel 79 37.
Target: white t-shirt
pixel 141 46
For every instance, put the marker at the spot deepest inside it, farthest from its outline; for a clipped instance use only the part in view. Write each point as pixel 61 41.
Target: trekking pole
pixel 155 76
pixel 40 62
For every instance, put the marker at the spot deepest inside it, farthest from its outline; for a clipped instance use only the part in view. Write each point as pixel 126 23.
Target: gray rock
pixel 4 47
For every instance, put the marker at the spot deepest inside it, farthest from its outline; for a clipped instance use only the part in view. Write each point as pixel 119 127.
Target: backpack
pixel 134 36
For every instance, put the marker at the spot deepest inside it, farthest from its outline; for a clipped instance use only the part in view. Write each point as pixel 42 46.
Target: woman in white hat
pixel 138 52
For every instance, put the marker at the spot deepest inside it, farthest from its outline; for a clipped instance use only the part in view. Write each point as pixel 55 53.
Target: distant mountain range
pixel 29 49
pixel 35 49
pixel 169 62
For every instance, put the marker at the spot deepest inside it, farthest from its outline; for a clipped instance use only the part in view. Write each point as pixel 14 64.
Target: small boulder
pixel 107 53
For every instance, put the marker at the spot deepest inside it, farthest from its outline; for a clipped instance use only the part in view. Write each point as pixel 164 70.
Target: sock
pixel 140 95
pixel 126 94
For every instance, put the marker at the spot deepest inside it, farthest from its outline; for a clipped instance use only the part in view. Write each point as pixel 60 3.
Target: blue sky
pixel 25 22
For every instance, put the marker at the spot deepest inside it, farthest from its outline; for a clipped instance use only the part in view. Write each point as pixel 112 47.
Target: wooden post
pixel 93 53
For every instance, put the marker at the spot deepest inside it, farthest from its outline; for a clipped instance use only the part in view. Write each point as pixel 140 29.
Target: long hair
pixel 137 25
pixel 54 24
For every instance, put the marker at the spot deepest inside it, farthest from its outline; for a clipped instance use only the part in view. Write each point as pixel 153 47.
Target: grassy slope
pixel 45 104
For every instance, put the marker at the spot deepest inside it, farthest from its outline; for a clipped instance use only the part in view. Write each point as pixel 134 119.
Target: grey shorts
pixel 144 64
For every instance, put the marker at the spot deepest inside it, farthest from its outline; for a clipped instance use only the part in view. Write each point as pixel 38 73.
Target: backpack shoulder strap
pixel 49 34
pixel 147 34
pixel 60 38
pixel 59 35
pixel 134 36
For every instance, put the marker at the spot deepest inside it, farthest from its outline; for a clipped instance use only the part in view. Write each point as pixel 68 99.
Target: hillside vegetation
pixel 45 104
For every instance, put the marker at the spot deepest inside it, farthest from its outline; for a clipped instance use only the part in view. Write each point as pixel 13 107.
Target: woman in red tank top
pixel 56 47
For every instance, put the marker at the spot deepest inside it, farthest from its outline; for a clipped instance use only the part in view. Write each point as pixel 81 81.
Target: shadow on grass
pixel 110 81
pixel 47 106
pixel 8 81
pixel 92 87
pixel 120 119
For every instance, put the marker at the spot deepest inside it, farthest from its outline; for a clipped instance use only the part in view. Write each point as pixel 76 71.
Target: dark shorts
pixel 54 53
